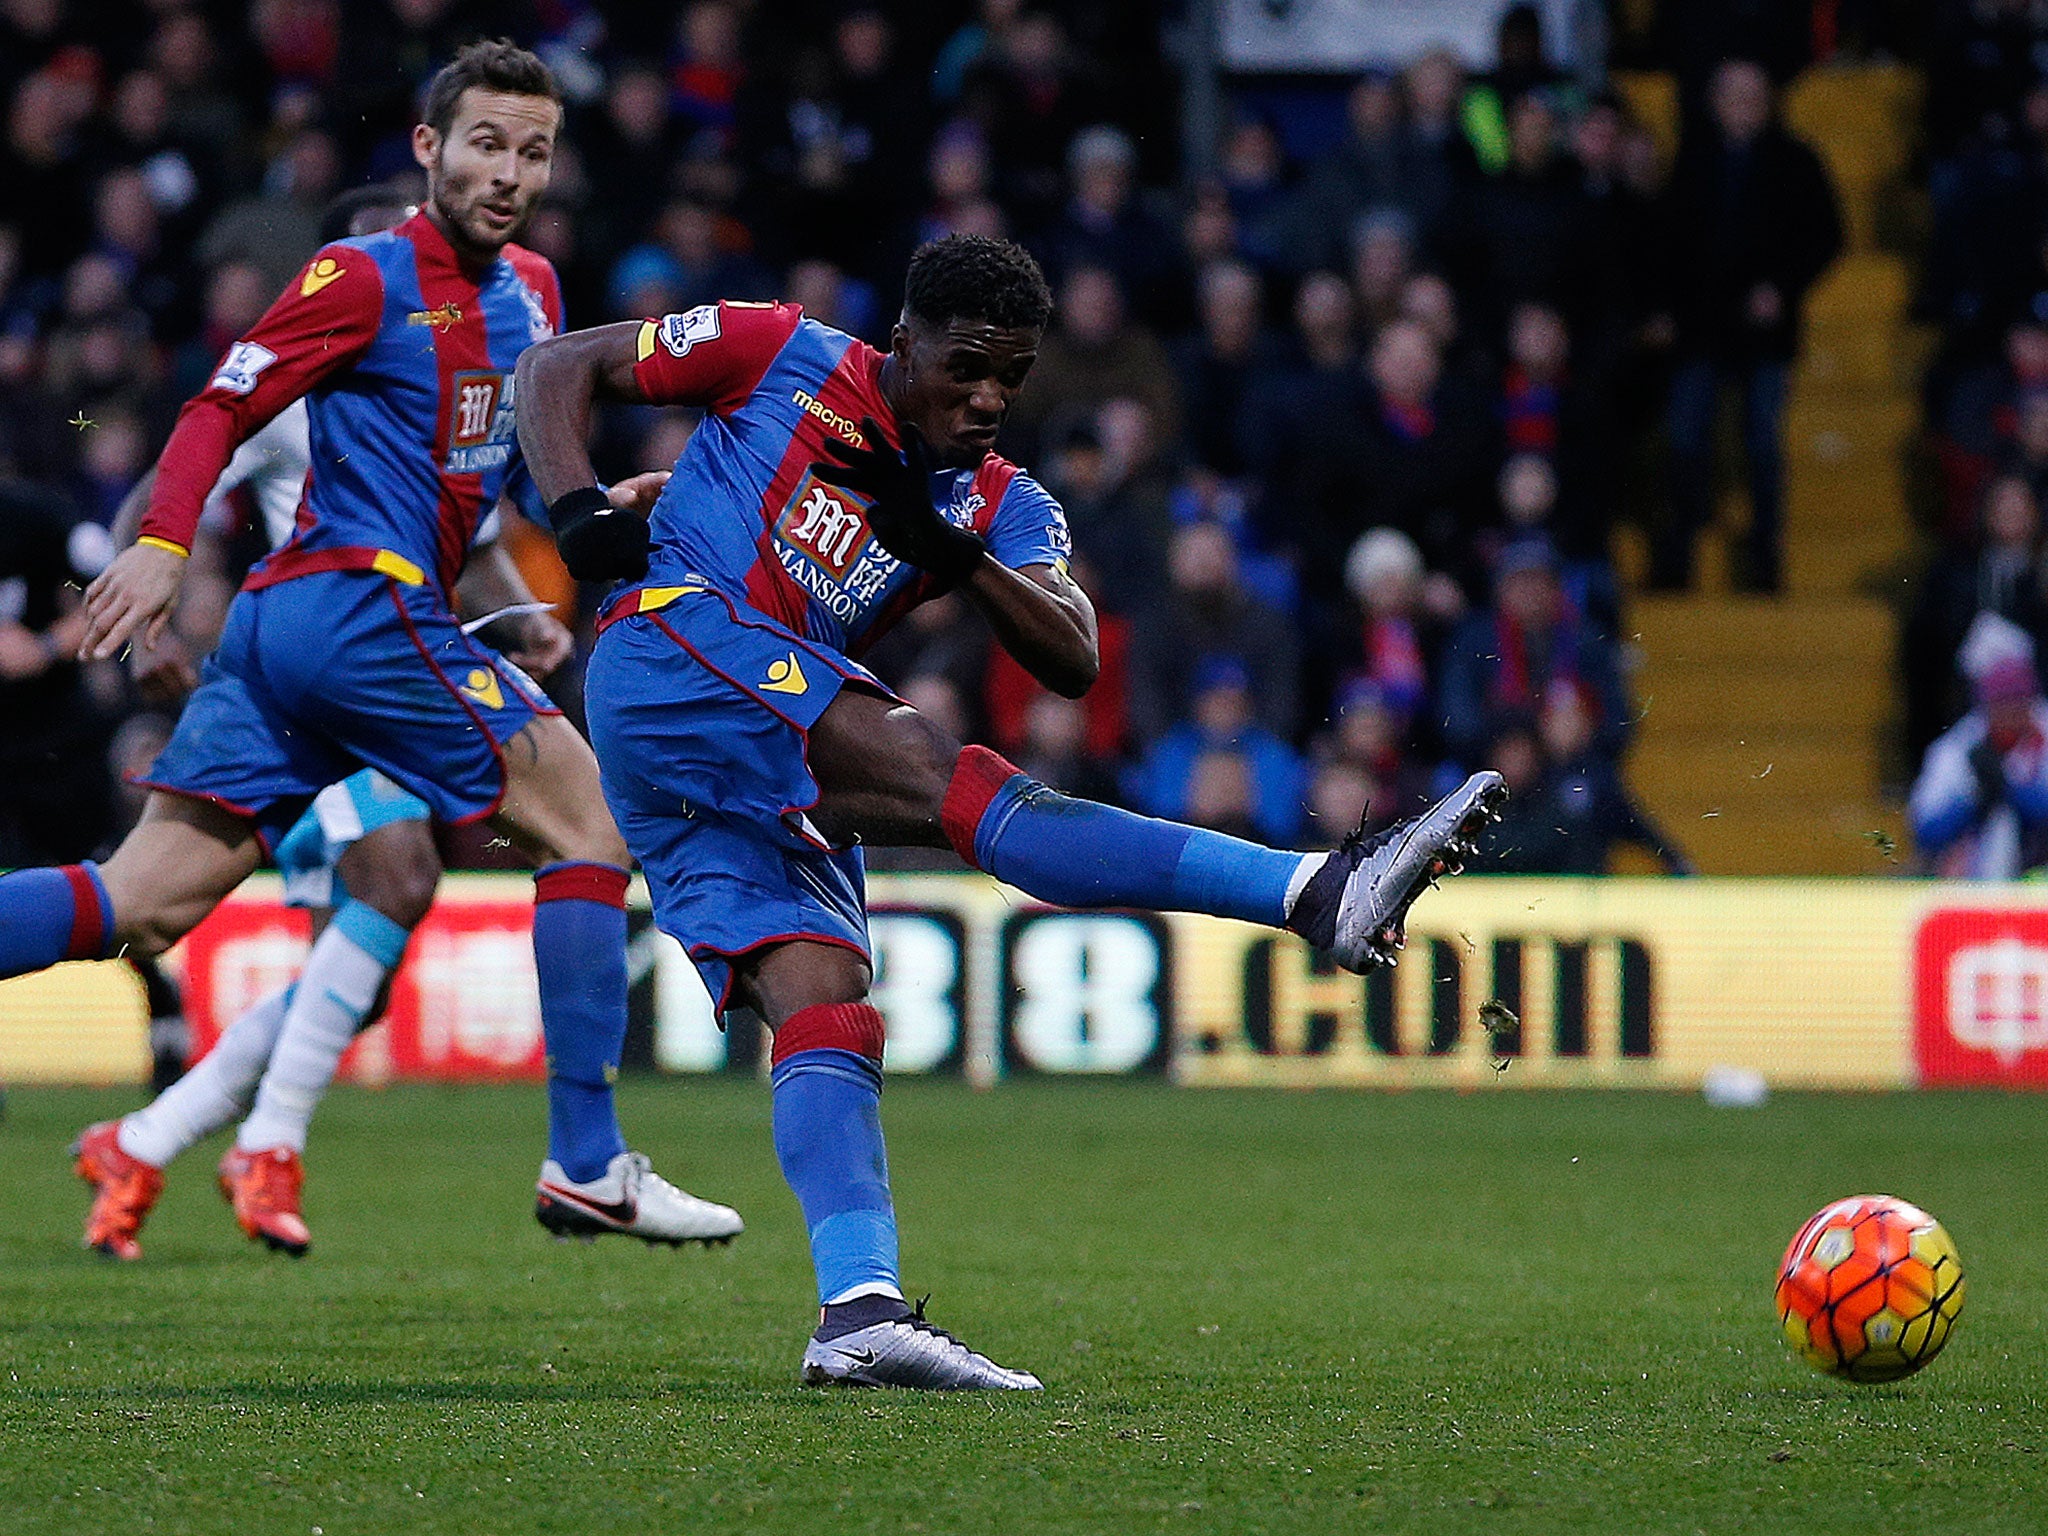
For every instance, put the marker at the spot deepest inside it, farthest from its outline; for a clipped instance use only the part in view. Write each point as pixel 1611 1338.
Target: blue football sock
pixel 48 915
pixel 1078 853
pixel 579 951
pixel 828 1137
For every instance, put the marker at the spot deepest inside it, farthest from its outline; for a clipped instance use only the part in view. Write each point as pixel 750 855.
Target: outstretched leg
pixel 891 776
pixel 182 857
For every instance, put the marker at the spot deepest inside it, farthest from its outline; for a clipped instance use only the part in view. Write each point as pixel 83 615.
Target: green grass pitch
pixel 1256 1312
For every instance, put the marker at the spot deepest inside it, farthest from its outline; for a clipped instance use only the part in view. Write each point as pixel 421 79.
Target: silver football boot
pixel 1355 906
pixel 906 1351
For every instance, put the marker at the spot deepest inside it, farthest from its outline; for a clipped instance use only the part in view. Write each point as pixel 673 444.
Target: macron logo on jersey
pixel 442 317
pixel 811 405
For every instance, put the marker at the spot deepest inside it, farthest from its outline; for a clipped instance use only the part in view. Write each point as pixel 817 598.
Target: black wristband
pixel 584 501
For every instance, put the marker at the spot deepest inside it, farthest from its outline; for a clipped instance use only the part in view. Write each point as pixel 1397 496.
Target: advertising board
pixel 1622 982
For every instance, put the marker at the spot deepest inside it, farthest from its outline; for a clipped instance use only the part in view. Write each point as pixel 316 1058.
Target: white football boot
pixel 631 1200
pixel 906 1351
pixel 1356 904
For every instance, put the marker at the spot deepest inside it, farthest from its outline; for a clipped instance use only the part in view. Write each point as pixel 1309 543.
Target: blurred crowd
pixel 1341 428
pixel 1975 721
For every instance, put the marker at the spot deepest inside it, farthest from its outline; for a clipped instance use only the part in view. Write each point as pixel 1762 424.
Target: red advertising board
pixel 1980 997
pixel 464 1005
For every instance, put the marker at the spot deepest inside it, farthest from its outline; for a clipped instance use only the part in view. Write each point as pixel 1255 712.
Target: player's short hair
pixel 971 277
pixel 339 216
pixel 495 65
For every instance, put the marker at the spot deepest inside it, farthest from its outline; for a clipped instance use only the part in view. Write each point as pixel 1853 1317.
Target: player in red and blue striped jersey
pixel 342 651
pixel 748 755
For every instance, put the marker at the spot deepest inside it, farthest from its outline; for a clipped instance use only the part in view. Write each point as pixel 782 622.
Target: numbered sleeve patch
pixel 681 332
pixel 243 365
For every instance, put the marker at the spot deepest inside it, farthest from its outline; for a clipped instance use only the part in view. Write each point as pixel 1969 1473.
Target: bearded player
pixel 747 756
pixel 341 651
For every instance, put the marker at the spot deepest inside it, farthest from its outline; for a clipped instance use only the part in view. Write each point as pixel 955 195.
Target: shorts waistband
pixel 288 564
pixel 642 600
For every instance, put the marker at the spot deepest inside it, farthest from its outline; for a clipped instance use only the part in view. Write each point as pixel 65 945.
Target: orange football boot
pixel 124 1189
pixel 263 1187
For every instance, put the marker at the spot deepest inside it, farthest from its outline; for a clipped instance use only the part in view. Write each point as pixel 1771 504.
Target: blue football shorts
pixel 700 713
pixel 325 674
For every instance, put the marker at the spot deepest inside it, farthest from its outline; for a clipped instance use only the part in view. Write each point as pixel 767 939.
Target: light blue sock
pixel 348 967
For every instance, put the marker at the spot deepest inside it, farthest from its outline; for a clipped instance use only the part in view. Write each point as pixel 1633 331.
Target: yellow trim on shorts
pixel 652 598
pixel 398 568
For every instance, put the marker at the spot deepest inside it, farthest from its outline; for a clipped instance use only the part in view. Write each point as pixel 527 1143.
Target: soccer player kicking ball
pixel 829 490
pixel 341 651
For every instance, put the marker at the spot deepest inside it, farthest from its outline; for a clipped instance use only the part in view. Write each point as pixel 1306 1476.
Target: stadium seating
pixel 1766 722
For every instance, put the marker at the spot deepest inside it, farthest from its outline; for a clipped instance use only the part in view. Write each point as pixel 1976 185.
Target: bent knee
pixel 920 756
pixel 395 870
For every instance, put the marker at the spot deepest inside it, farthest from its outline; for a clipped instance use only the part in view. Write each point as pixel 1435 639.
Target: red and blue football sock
pixel 50 915
pixel 827 1078
pixel 1080 853
pixel 579 951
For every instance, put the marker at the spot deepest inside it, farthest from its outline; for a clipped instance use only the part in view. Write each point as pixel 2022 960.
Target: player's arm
pixel 321 323
pixel 1015 573
pixel 490 583
pixel 166 669
pixel 712 357
pixel 1040 615
pixel 557 382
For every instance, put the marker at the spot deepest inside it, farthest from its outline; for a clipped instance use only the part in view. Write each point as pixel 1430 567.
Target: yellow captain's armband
pixel 645 346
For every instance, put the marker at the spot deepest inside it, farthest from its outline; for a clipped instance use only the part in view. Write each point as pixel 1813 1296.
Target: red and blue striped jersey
pixel 744 513
pixel 405 359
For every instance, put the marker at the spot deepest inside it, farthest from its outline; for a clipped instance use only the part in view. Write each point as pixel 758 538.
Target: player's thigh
pixel 183 857
pixel 882 770
pixel 554 806
pixel 788 978
pixel 394 868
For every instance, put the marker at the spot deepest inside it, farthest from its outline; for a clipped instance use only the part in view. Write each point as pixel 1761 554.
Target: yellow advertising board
pixel 1621 982
pixel 1611 982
